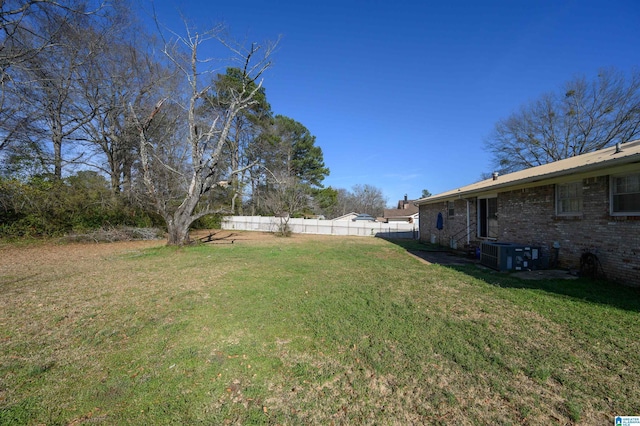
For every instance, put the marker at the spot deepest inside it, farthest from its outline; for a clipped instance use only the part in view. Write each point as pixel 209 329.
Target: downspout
pixel 468 224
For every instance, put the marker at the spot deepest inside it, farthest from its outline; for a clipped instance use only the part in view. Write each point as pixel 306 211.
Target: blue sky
pixel 402 95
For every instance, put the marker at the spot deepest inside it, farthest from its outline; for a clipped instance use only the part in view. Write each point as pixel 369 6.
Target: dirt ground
pixel 49 253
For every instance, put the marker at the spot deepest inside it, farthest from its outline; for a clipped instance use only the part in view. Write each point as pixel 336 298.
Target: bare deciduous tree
pixel 123 76
pixel 205 136
pixel 18 23
pixel 365 199
pixel 61 42
pixel 30 30
pixel 368 199
pixel 286 196
pixel 585 116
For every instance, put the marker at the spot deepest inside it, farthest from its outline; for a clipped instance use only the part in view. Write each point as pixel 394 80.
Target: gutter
pixel 532 179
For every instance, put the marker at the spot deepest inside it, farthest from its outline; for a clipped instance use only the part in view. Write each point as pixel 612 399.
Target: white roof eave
pixel 491 185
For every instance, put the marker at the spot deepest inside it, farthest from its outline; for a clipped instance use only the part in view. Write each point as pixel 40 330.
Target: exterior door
pixel 488 217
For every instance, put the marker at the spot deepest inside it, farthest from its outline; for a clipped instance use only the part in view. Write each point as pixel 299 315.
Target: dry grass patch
pixel 303 330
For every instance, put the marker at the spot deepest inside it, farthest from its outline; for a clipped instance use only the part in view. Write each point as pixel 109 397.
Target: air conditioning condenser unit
pixel 509 256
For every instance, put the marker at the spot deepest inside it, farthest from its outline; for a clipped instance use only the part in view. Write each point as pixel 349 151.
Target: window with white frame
pixel 625 195
pixel 451 208
pixel 569 198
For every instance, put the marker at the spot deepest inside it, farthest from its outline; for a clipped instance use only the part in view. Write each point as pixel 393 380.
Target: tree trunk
pixel 233 204
pixel 57 157
pixel 114 172
pixel 178 224
pixel 115 182
pixel 126 179
pixel 178 230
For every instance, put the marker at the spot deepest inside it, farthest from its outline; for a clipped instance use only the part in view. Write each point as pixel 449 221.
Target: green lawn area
pixel 304 330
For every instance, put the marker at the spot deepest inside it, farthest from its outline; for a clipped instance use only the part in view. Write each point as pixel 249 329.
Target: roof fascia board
pixel 622 165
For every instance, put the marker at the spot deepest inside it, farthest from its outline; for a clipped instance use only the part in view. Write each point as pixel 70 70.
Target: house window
pixel 451 209
pixel 488 217
pixel 569 198
pixel 625 195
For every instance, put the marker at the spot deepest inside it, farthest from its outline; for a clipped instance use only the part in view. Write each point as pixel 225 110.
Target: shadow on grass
pixel 415 245
pixel 584 289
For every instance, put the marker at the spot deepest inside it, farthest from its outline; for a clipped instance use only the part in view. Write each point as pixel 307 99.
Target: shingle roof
pixel 608 157
pixel 395 213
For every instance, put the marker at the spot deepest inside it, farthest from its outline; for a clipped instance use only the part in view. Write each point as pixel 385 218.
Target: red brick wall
pixel 527 216
pixel 454 226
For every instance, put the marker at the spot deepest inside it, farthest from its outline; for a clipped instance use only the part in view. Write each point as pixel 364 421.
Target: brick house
pixel 588 203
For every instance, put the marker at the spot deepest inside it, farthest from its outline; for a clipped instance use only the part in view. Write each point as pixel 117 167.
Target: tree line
pixel 102 122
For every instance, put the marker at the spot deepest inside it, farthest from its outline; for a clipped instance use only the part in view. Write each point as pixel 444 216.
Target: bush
pixel 284 230
pixel 211 221
pixel 46 207
pixel 121 233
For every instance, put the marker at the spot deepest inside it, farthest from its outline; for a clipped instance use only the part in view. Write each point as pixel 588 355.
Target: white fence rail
pixel 327 227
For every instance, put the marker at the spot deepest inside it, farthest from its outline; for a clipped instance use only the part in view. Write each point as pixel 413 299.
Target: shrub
pixel 47 207
pixel 211 221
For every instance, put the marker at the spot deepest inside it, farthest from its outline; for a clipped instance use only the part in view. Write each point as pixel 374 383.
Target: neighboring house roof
pixel 363 216
pixel 347 216
pixel 400 213
pixel 406 209
pixel 409 218
pixel 406 205
pixel 624 154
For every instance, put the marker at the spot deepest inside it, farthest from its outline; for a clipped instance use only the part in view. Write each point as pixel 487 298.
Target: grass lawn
pixel 304 330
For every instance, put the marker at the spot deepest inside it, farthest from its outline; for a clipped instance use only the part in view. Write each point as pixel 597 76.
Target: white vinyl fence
pixel 318 226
